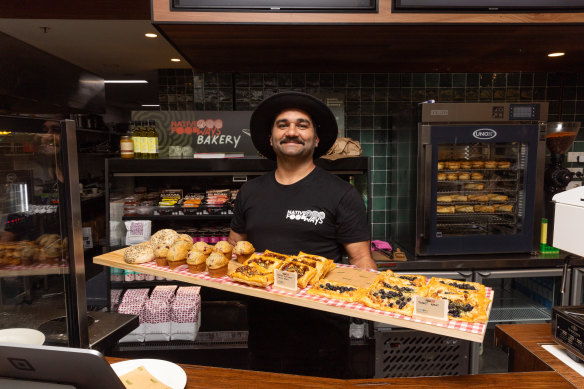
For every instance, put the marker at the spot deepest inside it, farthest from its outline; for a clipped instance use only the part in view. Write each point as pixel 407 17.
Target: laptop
pixel 24 366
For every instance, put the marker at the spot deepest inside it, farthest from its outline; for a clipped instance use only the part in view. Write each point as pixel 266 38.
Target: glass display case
pixel 42 284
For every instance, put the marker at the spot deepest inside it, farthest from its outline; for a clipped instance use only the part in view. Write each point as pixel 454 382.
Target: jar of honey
pixel 126 147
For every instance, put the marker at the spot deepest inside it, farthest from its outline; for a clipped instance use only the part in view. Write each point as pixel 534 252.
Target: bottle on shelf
pixel 144 140
pixel 135 131
pixel 152 140
pixel 126 147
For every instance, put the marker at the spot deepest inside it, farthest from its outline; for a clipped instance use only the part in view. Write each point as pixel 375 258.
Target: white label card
pixel 285 279
pixel 430 308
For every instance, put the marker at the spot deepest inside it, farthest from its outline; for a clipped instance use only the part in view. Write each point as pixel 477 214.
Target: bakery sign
pixel 184 133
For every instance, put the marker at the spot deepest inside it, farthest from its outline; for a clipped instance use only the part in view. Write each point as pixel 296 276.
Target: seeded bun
pixel 163 238
pixel 203 247
pixel 139 254
pixel 185 237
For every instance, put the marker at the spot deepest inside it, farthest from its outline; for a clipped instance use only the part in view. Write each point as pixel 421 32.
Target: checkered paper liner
pixel 474 328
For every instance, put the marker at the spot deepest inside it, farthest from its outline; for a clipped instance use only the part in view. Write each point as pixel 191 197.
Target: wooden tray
pixel 457 329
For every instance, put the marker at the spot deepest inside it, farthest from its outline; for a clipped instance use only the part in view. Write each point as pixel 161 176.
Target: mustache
pixel 294 139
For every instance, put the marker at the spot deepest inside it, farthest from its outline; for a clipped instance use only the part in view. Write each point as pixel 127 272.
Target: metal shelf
pixel 204 340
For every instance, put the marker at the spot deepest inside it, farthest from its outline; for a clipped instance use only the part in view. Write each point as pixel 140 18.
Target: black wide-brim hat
pixel 262 121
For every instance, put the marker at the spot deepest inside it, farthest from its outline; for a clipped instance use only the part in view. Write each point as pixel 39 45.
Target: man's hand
pixel 235 237
pixel 360 255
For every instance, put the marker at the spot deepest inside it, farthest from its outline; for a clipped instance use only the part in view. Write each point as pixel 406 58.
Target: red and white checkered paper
pixel 188 293
pixel 163 292
pixel 185 311
pixel 156 311
pixel 474 328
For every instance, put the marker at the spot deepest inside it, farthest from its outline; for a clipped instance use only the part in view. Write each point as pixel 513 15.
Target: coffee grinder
pixel 559 138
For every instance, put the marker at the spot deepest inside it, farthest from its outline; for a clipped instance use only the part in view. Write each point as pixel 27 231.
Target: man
pixel 299 207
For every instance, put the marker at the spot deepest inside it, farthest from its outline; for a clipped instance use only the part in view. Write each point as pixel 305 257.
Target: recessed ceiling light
pixel 556 54
pixel 125 82
pixel 175 59
pixel 150 35
pixel 150 105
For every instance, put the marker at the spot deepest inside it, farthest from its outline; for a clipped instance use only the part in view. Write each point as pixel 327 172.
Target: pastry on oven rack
pixel 490 164
pixel 474 186
pixel 478 164
pixel 464 209
pixel 441 177
pixel 464 176
pixel 503 207
pixel 459 198
pixel 337 290
pixel 477 176
pixel 504 165
pixel 452 165
pixel 444 199
pixel 465 164
pixel 484 209
pixel 497 197
pixel 479 198
pixel 452 176
pixel 445 209
pixel 440 165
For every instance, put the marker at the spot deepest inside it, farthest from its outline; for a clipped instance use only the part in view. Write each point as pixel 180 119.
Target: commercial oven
pixel 475 179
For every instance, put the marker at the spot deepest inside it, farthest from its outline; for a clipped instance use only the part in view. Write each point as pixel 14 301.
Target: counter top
pixel 524 342
pixel 480 262
pixel 213 377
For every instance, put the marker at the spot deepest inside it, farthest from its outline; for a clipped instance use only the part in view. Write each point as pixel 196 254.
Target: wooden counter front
pixel 474 332
pixel 525 341
pixel 220 378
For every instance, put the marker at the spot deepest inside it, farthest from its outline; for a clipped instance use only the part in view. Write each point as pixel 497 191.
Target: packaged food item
pixel 138 231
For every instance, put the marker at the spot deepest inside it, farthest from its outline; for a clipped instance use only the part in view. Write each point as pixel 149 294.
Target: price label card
pixel 285 280
pixel 430 308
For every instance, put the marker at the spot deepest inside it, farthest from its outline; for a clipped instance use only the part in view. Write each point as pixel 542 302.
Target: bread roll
pixel 490 164
pixel 453 165
pixel 484 208
pixel 440 165
pixel 243 250
pixel 465 164
pixel 452 176
pixel 445 209
pixel 464 209
pixel 441 176
pixel 464 176
pixel 139 254
pixel 477 176
pixel 504 165
pixel 478 164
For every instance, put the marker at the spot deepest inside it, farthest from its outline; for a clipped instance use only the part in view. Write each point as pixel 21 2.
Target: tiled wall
pixel 371 105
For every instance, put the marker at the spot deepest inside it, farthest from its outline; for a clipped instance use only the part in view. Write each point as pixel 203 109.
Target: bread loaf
pixel 139 254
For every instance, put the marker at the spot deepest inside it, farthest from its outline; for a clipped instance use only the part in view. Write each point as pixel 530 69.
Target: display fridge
pixel 472 180
pixel 42 285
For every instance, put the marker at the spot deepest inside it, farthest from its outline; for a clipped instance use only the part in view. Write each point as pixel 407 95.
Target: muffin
pixel 217 264
pixel 224 248
pixel 161 242
pixel 203 247
pixel 197 261
pixel 243 250
pixel 177 254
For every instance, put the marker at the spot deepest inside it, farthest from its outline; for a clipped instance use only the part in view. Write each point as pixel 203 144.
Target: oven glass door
pixel 482 191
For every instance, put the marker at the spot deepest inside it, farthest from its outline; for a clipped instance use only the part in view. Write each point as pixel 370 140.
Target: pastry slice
pixel 304 272
pixel 337 290
pixel 329 263
pixel 253 275
pixel 412 279
pixel 281 257
pixel 470 307
pixel 461 286
pixel 320 267
pixel 389 299
pixel 267 263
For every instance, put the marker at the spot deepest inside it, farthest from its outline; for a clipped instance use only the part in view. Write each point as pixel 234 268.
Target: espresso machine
pixel 559 138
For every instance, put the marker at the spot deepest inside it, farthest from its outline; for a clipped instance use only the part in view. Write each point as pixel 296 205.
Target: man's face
pixel 293 134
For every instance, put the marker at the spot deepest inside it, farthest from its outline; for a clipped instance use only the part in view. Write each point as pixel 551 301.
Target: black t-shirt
pixel 316 214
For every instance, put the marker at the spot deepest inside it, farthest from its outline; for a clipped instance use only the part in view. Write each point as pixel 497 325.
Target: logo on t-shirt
pixel 315 217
